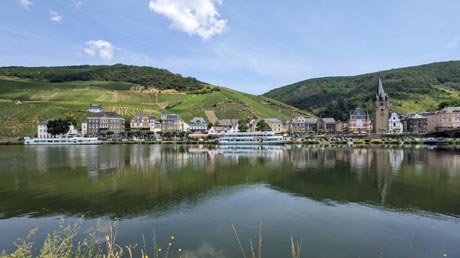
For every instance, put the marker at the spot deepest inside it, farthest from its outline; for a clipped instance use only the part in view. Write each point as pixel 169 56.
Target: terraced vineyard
pixel 41 100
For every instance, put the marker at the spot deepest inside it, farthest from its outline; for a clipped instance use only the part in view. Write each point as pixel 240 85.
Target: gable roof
pixel 358 114
pixel 380 94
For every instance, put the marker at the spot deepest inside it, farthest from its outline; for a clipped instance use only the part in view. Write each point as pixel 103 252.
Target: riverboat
pixel 252 138
pixel 76 140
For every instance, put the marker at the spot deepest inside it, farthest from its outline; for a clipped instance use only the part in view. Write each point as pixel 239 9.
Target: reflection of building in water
pixel 252 153
pixel 445 162
pixel 416 157
pixel 104 159
pixel 396 159
pixel 381 161
pixel 144 157
pixel 150 158
pixel 198 156
pixel 313 157
pixel 360 159
pixel 42 157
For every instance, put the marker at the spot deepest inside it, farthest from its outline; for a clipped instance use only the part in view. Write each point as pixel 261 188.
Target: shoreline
pixel 374 142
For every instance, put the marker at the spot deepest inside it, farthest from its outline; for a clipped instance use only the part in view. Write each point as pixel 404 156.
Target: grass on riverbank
pixel 63 243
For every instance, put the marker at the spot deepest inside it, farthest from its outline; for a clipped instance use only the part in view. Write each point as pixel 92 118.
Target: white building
pixel 198 124
pixel 84 128
pixel 145 123
pixel 95 108
pixel 394 124
pixel 42 131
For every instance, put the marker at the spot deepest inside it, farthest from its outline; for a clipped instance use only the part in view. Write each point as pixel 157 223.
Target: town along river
pixel 341 201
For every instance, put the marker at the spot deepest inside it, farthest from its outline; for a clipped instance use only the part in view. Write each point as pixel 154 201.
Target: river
pixel 339 201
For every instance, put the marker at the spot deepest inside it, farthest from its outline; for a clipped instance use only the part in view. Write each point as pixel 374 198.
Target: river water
pixel 339 201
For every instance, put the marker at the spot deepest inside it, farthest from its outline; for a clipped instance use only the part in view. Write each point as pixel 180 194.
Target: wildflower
pixel 159 249
pixel 172 237
pixel 180 250
pixel 169 244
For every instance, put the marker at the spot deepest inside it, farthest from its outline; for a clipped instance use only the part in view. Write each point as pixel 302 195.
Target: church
pixel 381 108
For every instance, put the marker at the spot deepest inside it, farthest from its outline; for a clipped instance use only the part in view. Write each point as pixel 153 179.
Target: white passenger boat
pixel 251 138
pixel 76 140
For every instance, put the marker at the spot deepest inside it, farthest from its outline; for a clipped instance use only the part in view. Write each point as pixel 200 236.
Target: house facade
pixel 446 119
pixel 173 123
pixel 415 123
pixel 228 125
pixel 104 122
pixel 326 125
pixel 302 125
pixel 198 124
pixel 145 123
pixel 359 122
pixel 298 125
pixel 275 124
pixel 394 124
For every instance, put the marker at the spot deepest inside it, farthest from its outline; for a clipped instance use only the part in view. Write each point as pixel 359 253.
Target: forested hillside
pixel 427 87
pixel 141 75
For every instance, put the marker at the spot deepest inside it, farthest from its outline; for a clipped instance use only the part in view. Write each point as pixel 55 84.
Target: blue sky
pixel 248 45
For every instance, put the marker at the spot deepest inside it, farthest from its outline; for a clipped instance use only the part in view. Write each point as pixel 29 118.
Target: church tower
pixel 381 110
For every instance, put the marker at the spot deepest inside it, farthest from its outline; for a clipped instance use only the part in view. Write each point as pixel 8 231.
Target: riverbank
pixel 306 142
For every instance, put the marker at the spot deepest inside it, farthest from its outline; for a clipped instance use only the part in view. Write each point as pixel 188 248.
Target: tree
pixel 71 119
pixel 242 126
pixel 263 126
pixel 56 127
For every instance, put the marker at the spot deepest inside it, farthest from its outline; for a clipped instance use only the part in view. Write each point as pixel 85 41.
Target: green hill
pixel 142 75
pixel 426 87
pixel 24 102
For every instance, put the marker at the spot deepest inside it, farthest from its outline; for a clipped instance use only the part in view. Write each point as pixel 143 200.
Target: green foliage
pixel 262 126
pixel 41 100
pixel 242 125
pixel 142 75
pixel 421 88
pixel 59 126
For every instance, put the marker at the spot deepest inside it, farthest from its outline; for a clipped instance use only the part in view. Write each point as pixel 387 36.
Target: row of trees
pixel 260 126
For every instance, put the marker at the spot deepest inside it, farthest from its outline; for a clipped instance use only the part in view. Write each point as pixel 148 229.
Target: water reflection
pixel 131 179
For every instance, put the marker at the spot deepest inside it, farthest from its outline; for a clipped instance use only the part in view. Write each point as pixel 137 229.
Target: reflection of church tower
pixel 382 169
pixel 381 109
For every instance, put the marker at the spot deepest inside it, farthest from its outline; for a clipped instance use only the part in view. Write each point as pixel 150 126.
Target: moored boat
pixel 251 138
pixel 76 140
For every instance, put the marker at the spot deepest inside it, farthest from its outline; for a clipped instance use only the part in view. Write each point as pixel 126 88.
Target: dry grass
pixel 61 244
pixel 296 246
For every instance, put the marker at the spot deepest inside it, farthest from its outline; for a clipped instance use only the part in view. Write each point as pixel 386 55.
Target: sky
pixel 248 45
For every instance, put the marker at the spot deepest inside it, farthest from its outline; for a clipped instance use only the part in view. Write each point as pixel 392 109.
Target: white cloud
pixel 198 17
pixel 25 3
pixel 101 48
pixel 55 17
pixel 77 3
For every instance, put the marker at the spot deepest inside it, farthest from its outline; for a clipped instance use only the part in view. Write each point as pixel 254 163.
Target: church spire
pixel 380 94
